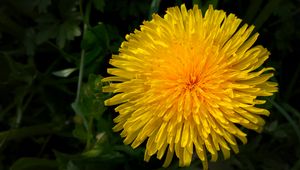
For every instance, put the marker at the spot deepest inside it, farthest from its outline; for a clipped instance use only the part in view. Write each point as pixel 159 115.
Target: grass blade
pixel 265 13
pixel 287 116
pixel 291 109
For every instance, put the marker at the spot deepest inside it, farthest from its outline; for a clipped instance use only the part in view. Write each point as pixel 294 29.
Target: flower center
pixel 192 82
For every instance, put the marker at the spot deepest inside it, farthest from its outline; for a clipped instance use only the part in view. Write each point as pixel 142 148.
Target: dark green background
pixel 46 124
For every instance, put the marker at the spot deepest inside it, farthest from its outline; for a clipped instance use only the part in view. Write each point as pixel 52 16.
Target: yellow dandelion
pixel 185 81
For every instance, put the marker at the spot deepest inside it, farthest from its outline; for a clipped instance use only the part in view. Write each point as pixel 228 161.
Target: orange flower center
pixel 192 82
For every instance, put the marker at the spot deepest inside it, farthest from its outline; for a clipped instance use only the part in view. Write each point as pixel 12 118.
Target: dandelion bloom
pixel 184 84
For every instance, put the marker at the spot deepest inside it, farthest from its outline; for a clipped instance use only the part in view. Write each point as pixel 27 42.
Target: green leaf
pixel 90 105
pixel 291 109
pixel 95 42
pixel 29 5
pixel 96 36
pixel 266 13
pixel 65 72
pixel 273 126
pixel 93 60
pixel 30 131
pixel 101 145
pixel 67 6
pixel 154 7
pixel 252 10
pixel 101 34
pixel 62 27
pixel 67 31
pixel 72 166
pixel 92 98
pixel 99 4
pixel 296 166
pixel 287 8
pixel 91 56
pixel 34 164
pixel 20 72
pixel 4 69
pixel 29 41
pixel 280 134
pixel 79 131
pixel 42 5
pixel 136 153
pixel 64 159
pixel 89 40
pixel 103 160
pixel 46 33
pixel 287 116
pixel 47 28
pixel 115 38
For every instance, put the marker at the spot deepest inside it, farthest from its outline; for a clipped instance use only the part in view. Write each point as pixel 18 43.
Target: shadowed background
pixel 49 48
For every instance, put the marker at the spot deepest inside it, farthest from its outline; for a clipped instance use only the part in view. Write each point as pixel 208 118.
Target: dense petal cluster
pixel 185 81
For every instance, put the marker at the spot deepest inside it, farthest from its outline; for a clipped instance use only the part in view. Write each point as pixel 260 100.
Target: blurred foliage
pixel 52 53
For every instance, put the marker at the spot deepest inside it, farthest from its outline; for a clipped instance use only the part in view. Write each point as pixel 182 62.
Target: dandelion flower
pixel 185 83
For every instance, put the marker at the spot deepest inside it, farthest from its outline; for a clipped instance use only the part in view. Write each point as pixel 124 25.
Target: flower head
pixel 185 81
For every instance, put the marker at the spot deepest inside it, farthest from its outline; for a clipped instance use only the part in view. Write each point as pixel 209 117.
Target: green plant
pixel 52 53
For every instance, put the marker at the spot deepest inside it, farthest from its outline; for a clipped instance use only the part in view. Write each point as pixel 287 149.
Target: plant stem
pixel 81 69
pixel 75 105
pixel 29 131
